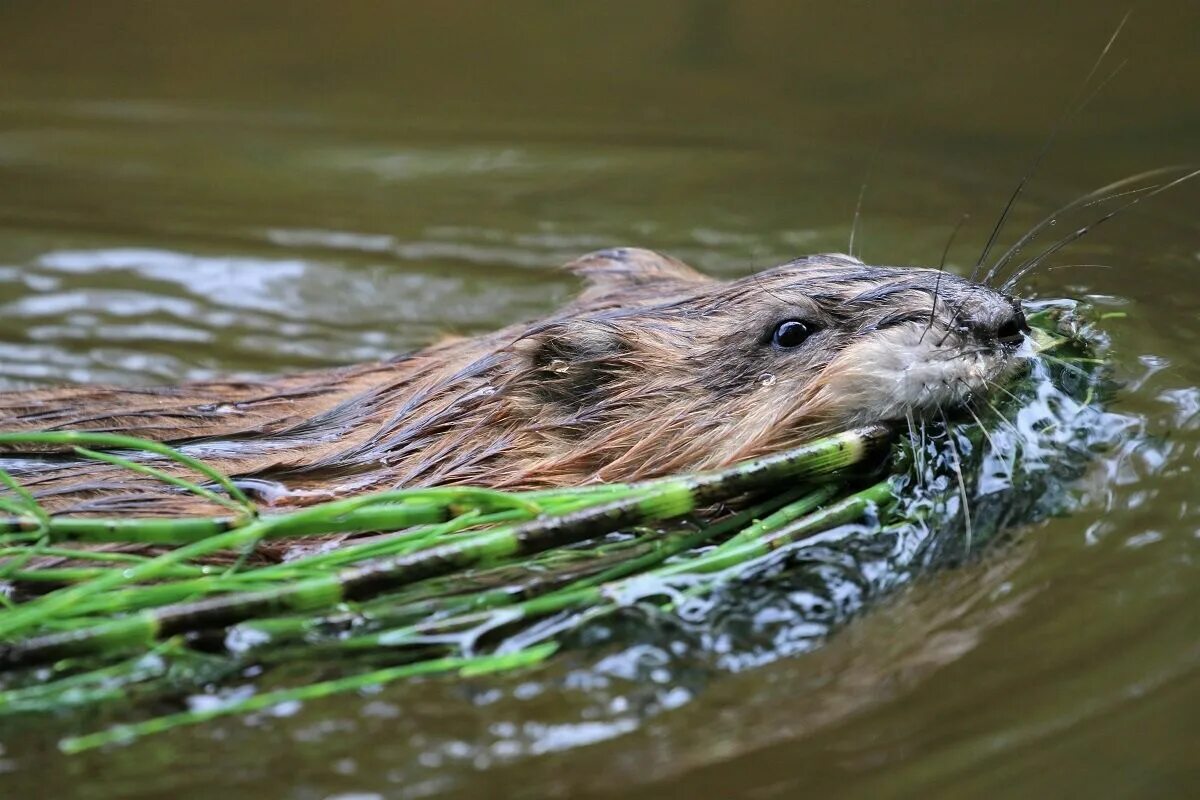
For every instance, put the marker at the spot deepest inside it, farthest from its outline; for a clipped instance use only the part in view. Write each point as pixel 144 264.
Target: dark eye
pixel 791 333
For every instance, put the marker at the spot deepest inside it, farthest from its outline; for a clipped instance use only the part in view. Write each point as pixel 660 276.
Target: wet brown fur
pixel 654 368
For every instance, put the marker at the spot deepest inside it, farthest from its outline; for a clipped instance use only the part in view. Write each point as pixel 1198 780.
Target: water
pixel 186 191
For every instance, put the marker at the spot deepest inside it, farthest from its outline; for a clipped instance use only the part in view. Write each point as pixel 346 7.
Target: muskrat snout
pixel 999 319
pixel 1013 330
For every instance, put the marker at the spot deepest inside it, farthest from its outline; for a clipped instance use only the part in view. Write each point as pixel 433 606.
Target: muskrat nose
pixel 1013 329
pixel 999 320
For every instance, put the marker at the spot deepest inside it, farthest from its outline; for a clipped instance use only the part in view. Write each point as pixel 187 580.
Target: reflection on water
pixel 186 191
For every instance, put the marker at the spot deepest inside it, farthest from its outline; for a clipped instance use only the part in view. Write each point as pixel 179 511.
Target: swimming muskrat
pixel 655 368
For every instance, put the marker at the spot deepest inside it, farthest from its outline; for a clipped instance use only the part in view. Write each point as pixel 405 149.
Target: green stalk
pixel 165 477
pixel 290 627
pixel 25 503
pixel 84 439
pixel 317 519
pixel 788 513
pixel 205 583
pixel 664 500
pixel 33 613
pixel 477 665
pixel 772 533
pixel 841 512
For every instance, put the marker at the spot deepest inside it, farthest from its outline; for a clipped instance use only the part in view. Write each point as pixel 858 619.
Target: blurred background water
pixel 190 189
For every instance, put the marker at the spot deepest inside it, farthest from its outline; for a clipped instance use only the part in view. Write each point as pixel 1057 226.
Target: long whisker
pixel 950 324
pixel 1071 109
pixel 992 384
pixel 1005 389
pixel 1003 418
pixel 960 354
pixel 941 271
pixel 988 435
pixel 862 191
pixel 1073 266
pixel 912 426
pixel 950 241
pixel 918 453
pixel 857 211
pixel 1093 197
pixel 1118 195
pixel 1032 264
pixel 962 484
pixel 1117 71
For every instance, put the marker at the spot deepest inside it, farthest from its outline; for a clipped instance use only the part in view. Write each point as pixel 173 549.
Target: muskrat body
pixel 655 368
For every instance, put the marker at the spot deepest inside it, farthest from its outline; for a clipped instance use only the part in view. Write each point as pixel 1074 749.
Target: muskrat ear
pixel 620 270
pixel 572 362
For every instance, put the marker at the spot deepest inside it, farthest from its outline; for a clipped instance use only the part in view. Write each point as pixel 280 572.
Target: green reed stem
pixel 281 629
pixel 663 500
pixel 165 477
pixel 25 504
pixel 84 439
pixel 464 666
pixel 780 528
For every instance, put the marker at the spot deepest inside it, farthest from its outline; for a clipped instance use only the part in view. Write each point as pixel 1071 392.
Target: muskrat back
pixel 655 368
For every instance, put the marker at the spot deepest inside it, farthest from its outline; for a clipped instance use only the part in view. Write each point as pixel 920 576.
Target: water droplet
pixel 767 379
pixel 217 408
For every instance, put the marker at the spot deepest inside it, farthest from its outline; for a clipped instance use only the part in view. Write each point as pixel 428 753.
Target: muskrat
pixel 654 368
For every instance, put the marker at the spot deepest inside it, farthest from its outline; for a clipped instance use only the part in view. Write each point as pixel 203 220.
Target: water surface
pixel 189 190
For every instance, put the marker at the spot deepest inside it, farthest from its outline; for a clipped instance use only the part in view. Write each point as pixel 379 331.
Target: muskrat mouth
pixel 902 373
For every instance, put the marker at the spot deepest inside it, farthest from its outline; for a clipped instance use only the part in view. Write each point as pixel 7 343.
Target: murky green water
pixel 197 189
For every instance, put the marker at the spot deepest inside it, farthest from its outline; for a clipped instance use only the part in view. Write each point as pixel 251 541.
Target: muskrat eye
pixel 791 333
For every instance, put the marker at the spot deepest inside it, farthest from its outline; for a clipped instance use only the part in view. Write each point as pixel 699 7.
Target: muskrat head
pixel 656 363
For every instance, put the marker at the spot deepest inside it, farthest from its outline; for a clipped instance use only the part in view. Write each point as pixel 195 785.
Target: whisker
pixel 918 445
pixel 1079 233
pixel 857 211
pixel 995 410
pixel 912 440
pixel 950 325
pixel 944 357
pixel 996 385
pixel 988 435
pixel 1070 110
pixel 941 271
pixel 950 241
pixel 1006 390
pixel 1091 198
pixel 887 124
pixel 1070 266
pixel 962 484
pixel 1118 195
pixel 1100 86
pixel 933 308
